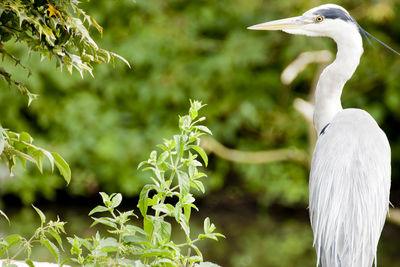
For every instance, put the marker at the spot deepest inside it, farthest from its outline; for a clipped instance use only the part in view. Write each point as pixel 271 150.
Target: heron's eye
pixel 319 19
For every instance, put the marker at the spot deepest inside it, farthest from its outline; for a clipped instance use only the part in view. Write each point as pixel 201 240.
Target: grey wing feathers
pixel 349 190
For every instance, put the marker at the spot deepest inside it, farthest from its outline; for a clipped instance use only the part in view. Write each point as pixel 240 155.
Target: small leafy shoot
pixel 41 215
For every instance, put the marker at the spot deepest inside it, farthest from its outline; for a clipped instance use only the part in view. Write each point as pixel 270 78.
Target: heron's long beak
pixel 280 24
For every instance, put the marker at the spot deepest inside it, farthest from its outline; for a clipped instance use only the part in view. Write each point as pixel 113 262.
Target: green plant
pixel 174 174
pixel 168 198
pixel 48 230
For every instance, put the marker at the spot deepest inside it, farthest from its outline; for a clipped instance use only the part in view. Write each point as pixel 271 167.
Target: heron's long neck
pixel 333 78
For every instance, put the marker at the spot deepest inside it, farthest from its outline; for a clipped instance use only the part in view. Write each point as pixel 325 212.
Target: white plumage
pixel 350 170
pixel 349 190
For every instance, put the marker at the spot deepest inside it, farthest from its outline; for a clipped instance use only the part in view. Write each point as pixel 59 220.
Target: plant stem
pixel 119 245
pixel 28 242
pixel 189 250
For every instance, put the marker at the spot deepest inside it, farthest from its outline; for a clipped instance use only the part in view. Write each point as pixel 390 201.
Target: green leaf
pixel 158 228
pixel 105 198
pixel 184 223
pixel 202 154
pixel 62 166
pixel 3 247
pixel 135 239
pixel 141 164
pixel 134 228
pixel 131 263
pixel 148 226
pixel 163 156
pixel 98 209
pixel 5 264
pixel 65 261
pixel 57 237
pixel 153 155
pixel 25 137
pixel 165 262
pixel 105 221
pixel 157 253
pixel 76 244
pixel 193 113
pixel 5 216
pixel 203 129
pixel 200 186
pixel 163 147
pixel 208 231
pixel 29 263
pixel 107 249
pixel 49 157
pixel 121 58
pixel 188 209
pixel 38 155
pixel 199 175
pixel 108 245
pixel 183 181
pixel 196 105
pixel 2 141
pixel 52 248
pixel 179 147
pixel 116 200
pixel 23 156
pixel 208 226
pixel 184 122
pixel 209 236
pixel 206 264
pixel 195 258
pixel 162 208
pixel 13 239
pixel 41 214
pixel 144 194
pixel 164 231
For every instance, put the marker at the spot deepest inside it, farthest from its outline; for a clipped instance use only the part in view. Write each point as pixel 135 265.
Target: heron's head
pixel 327 20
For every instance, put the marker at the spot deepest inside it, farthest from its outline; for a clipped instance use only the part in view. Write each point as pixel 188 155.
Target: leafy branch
pixel 175 173
pixel 19 146
pixel 53 28
pixel 47 231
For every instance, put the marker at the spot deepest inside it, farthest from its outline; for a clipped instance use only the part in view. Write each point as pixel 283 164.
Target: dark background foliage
pixel 199 50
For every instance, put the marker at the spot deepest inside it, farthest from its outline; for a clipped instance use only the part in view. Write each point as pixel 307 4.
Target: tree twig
pixel 259 157
pixel 394 216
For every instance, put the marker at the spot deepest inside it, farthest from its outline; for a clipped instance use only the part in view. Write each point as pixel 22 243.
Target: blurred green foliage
pixel 193 49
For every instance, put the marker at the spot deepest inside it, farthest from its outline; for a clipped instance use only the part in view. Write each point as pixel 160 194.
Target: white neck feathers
pixel 333 78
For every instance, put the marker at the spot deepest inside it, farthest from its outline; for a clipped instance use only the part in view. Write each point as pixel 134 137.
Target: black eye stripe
pixel 334 13
pixel 337 13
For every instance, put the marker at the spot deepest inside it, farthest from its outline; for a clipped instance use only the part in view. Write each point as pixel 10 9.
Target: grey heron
pixel 350 171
